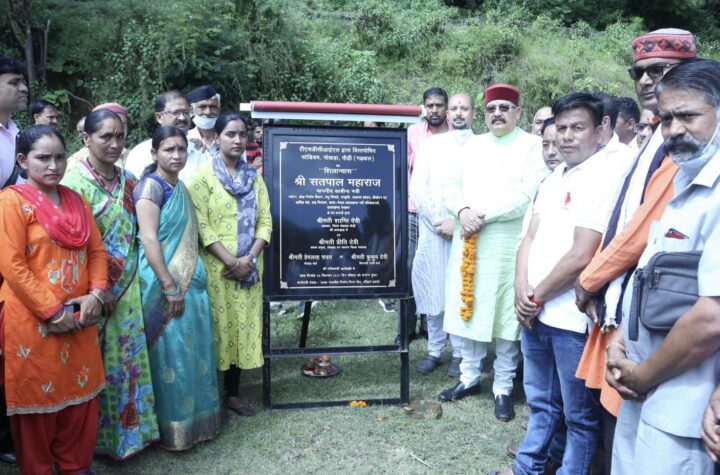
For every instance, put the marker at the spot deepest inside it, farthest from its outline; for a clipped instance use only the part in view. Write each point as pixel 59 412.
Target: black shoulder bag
pixel 664 290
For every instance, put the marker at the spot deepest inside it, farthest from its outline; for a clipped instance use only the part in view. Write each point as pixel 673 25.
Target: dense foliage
pixel 336 50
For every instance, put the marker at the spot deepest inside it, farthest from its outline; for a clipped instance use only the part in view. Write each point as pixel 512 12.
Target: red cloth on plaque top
pixel 336 108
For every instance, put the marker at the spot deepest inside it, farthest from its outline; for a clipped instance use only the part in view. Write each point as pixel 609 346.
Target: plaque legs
pixel 267 403
pixel 404 353
pixel 305 323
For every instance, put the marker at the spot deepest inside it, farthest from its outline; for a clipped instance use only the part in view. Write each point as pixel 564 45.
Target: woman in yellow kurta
pixel 233 211
pixel 52 257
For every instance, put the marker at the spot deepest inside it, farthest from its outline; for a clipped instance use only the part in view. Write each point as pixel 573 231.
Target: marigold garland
pixel 467 274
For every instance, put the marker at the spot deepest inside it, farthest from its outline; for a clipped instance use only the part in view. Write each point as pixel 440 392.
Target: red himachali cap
pixel 505 92
pixel 665 43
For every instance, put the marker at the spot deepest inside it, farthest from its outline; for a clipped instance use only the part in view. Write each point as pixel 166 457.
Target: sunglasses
pixel 656 71
pixel 501 108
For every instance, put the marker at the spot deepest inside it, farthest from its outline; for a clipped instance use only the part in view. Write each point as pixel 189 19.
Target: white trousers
pixel 639 447
pixel 437 337
pixel 507 357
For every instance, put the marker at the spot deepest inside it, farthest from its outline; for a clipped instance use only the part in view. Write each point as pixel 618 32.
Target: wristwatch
pixel 253 258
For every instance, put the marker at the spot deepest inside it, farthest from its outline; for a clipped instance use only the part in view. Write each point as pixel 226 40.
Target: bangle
pixel 172 293
pixel 97 297
pixel 537 302
pixel 61 314
pixel 462 209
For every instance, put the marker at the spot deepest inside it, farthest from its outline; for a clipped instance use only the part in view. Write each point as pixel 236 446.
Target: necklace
pixel 115 173
pixel 170 184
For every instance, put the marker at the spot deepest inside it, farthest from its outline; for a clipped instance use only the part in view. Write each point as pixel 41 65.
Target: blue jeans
pixel 552 390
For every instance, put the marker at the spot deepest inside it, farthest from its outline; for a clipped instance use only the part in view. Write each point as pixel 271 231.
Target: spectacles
pixel 656 71
pixel 502 108
pixel 640 127
pixel 177 112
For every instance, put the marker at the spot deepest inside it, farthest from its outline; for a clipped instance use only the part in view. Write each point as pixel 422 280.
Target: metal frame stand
pixel 271 354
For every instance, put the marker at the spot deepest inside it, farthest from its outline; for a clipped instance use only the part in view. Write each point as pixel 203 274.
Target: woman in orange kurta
pixel 52 258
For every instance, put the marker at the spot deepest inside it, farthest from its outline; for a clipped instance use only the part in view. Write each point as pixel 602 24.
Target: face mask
pixel 205 123
pixel 693 165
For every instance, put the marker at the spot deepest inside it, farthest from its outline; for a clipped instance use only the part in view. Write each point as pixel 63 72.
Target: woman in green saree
pixel 175 300
pixel 127 415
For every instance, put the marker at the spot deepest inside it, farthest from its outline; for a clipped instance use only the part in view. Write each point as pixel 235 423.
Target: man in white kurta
pixel 435 225
pixel 490 186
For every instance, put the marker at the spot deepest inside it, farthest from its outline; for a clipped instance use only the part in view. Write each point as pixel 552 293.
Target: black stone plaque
pixel 338 198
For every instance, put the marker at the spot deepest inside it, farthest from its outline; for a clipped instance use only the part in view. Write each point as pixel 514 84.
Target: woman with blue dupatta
pixel 173 289
pixel 233 209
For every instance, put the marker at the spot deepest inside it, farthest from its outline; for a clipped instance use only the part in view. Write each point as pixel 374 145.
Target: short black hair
pixel 698 75
pixel 576 100
pixel 162 99
pixel 39 105
pixel 11 65
pixel 547 123
pixel 628 109
pixel 609 105
pixel 435 91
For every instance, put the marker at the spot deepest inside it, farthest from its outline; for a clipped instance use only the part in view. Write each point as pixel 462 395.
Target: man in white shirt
pixel 568 220
pixel 13 97
pixel 171 108
pixel 619 155
pixel 628 117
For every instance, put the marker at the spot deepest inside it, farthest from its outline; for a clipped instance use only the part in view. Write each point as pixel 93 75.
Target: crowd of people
pixel 131 279
pixel 549 243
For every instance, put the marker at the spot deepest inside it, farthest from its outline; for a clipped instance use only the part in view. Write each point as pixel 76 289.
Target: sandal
pixel 241 408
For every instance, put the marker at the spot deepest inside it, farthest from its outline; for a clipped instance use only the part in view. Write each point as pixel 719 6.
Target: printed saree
pixel 127 416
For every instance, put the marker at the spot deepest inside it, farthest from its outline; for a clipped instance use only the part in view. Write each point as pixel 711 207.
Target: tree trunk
pixel 43 57
pixel 21 24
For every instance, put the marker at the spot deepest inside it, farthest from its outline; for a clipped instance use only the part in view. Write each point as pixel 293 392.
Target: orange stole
pixel 592 369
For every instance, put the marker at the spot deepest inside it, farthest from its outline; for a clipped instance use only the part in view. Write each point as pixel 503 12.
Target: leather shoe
pixel 458 392
pixel 504 410
pixel 428 364
pixel 454 368
pixel 8 458
pixel 512 450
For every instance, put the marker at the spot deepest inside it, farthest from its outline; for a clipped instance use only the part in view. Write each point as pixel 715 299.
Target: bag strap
pixel 634 317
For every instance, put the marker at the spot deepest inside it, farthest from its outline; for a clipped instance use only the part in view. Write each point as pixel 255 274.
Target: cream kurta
pixel 430 176
pixel 498 177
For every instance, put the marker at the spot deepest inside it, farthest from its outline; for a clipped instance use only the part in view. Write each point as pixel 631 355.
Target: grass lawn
pixel 467 439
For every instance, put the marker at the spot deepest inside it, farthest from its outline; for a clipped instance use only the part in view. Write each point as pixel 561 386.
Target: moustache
pixel 683 147
pixel 498 120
